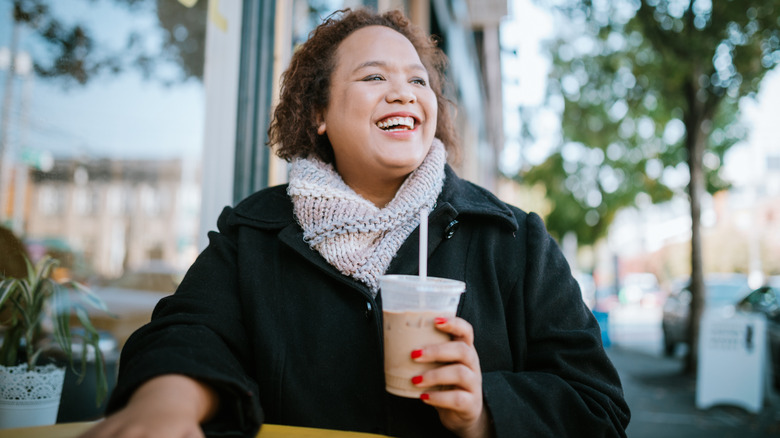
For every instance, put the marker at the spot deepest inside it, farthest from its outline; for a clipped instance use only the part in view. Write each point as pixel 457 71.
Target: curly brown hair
pixel 306 82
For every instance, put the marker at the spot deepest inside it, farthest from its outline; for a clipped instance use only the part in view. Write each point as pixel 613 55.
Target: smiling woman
pixel 366 93
pixel 281 315
pixel 307 79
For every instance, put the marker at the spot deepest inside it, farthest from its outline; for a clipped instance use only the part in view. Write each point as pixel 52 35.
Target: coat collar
pixel 469 199
pixel 272 208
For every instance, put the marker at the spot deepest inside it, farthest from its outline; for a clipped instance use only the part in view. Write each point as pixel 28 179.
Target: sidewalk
pixel 662 402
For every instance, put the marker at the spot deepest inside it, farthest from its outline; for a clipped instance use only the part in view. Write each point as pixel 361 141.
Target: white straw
pixel 423 243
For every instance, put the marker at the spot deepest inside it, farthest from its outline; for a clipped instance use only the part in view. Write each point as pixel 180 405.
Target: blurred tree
pixel 646 88
pixel 72 54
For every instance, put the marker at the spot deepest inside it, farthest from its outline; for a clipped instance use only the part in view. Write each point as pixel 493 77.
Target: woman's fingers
pixel 126 425
pixel 459 350
pixel 455 387
pixel 460 369
pixel 459 403
pixel 454 376
pixel 458 328
pixel 455 351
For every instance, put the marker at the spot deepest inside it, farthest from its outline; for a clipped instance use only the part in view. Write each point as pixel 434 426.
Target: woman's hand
pixel 169 406
pixel 461 408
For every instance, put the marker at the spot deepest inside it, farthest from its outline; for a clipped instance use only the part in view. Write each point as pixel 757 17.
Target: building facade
pixel 105 217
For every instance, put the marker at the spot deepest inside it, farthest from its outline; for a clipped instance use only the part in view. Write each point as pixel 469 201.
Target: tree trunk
pixel 695 141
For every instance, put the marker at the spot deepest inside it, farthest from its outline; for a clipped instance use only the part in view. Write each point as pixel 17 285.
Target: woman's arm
pixel 198 332
pixel 563 383
pixel 168 406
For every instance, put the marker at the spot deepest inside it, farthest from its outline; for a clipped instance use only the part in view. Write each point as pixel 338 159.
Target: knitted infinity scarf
pixel 350 232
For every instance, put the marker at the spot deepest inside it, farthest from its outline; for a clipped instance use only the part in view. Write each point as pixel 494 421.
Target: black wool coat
pixel 285 338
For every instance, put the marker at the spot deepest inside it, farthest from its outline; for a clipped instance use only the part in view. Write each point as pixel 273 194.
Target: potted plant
pixel 35 318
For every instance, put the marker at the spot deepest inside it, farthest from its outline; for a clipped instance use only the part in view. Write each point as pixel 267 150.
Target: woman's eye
pixel 419 81
pixel 373 78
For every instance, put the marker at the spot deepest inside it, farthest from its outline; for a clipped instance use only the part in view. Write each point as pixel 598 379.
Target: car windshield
pixel 719 294
pixel 149 281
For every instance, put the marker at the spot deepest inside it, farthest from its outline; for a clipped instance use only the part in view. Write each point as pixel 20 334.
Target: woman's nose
pixel 401 93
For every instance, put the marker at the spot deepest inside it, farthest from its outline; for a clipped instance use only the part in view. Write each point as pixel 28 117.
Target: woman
pixel 279 319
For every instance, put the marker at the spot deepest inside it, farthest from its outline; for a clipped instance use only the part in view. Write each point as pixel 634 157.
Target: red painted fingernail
pixel 416 380
pixel 424 396
pixel 439 321
pixel 416 354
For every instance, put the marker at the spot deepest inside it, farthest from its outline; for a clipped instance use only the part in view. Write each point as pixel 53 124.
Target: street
pixel 662 398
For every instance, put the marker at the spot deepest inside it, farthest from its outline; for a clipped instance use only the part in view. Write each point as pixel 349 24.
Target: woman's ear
pixel 320 123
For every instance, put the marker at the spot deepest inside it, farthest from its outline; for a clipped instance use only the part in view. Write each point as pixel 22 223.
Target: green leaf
pixel 61 321
pixel 100 376
pixel 31 271
pixel 84 353
pixel 92 338
pixel 83 317
pixel 8 287
pixel 91 298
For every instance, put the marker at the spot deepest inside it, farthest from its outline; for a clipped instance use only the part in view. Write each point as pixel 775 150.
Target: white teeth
pixel 399 122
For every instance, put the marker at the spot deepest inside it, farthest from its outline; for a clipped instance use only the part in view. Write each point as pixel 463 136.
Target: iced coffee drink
pixel 405 332
pixel 410 306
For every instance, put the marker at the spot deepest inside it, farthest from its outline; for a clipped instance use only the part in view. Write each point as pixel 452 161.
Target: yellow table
pixel 72 430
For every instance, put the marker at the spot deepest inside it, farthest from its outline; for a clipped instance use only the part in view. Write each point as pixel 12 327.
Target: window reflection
pixel 102 140
pixel 307 14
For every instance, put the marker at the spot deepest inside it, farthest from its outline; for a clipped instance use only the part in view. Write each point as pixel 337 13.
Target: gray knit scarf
pixel 350 232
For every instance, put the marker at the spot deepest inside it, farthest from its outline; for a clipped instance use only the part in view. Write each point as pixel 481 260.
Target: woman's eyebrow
pixel 413 66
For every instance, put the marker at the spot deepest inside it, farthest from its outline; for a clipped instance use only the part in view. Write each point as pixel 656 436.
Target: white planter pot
pixel 29 398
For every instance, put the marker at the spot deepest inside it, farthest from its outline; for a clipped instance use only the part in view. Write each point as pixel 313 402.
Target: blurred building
pixel 112 215
pixel 740 232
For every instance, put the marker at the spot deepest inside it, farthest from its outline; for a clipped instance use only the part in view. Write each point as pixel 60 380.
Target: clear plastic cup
pixel 409 305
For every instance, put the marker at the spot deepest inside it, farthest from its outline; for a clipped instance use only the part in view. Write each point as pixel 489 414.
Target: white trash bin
pixel 732 363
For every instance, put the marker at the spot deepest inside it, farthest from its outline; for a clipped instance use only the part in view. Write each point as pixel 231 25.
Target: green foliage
pixel 638 83
pixel 27 304
pixel 73 55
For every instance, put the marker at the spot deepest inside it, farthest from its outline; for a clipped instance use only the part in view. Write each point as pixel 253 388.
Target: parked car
pixel 133 296
pixel 153 277
pixel 766 300
pixel 722 291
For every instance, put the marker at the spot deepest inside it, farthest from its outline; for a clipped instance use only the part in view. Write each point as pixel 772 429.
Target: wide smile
pixel 397 123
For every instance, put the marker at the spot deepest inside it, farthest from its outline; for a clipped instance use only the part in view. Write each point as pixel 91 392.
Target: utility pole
pixel 22 171
pixel 5 122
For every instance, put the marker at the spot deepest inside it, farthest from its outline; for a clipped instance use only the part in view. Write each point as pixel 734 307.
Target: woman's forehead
pixel 375 45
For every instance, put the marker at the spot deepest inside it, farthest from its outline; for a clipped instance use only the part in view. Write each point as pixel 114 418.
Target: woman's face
pixel 381 115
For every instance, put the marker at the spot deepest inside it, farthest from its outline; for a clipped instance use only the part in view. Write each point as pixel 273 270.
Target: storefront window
pixel 307 14
pixel 101 140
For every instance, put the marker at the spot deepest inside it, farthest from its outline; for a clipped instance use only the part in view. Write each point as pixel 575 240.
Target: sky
pixel 525 81
pixel 761 115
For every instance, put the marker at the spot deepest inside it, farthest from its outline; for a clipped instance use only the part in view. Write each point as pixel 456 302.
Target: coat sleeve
pixel 198 332
pixel 563 384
